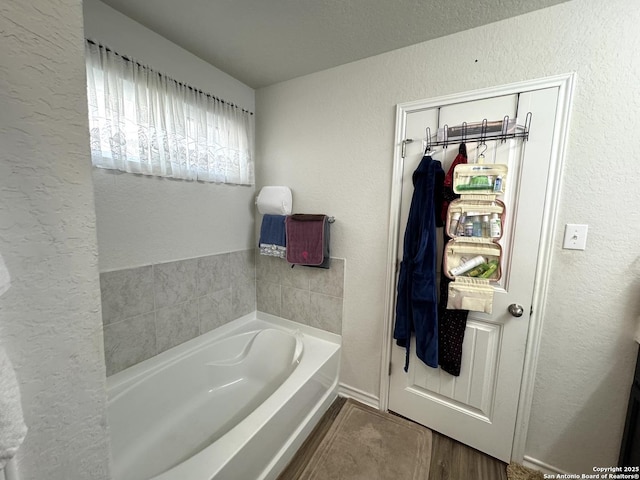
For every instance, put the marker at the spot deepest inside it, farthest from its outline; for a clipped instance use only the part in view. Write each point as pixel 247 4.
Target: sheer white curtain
pixel 143 122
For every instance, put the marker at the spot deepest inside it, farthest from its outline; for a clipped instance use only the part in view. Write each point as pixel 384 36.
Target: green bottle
pixel 493 266
pixel 479 270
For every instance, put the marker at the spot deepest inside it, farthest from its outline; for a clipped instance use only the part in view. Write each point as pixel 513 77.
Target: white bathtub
pixel 235 403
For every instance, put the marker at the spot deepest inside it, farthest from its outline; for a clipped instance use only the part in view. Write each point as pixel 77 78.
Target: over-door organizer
pixel 475 222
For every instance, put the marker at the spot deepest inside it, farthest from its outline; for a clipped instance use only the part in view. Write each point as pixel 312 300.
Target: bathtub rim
pixel 120 382
pixel 239 437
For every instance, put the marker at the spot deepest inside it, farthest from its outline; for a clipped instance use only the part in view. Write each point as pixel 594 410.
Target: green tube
pixel 493 266
pixel 475 187
pixel 479 269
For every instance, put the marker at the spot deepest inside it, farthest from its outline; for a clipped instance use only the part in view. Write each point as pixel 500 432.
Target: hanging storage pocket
pixel 472 259
pixel 478 218
pixel 479 179
pixel 470 294
pixel 473 256
pixel 473 264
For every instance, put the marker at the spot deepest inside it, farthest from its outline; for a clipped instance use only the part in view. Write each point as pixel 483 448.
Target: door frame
pixel 565 83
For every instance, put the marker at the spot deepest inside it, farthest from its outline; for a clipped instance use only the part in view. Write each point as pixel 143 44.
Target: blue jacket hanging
pixel 417 302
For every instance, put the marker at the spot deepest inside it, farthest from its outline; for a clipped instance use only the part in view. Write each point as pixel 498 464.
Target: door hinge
pixel 389 368
pixel 531 310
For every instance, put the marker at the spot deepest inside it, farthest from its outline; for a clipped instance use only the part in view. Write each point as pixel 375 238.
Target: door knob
pixel 516 310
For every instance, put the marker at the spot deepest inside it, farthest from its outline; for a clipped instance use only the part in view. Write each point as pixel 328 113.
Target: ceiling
pixel 261 42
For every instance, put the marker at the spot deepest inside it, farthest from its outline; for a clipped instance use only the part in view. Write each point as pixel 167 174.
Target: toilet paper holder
pixel 277 200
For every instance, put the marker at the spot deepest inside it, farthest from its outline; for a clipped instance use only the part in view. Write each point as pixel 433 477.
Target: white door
pixel 479 407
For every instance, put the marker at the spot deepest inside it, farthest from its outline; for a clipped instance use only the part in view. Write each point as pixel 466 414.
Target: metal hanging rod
pixel 478 132
pixel 182 84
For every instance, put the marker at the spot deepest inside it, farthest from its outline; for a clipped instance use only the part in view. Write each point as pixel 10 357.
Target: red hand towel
pixel 305 239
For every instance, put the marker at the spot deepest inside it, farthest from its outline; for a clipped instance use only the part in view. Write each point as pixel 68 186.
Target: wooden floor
pixel 302 457
pixel 450 460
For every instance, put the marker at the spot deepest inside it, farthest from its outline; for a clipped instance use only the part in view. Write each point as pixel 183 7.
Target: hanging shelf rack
pixel 475 132
pixel 479 132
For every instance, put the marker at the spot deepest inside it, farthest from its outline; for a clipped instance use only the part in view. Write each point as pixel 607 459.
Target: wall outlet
pixel 575 236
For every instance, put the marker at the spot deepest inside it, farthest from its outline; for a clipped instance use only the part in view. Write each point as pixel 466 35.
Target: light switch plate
pixel 575 236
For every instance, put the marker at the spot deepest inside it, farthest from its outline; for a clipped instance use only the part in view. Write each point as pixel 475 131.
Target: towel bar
pixel 329 219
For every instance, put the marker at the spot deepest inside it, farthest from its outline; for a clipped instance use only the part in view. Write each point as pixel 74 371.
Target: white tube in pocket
pixel 468 265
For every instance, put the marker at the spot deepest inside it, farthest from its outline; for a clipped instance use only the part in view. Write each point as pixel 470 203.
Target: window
pixel 144 122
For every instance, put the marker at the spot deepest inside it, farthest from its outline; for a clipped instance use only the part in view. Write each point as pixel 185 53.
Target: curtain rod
pixel 182 84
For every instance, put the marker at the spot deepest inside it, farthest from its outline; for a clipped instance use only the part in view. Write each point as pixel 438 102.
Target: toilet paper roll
pixel 274 201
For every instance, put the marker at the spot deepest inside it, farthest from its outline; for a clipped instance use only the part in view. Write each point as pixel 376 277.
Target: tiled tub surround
pixel 312 296
pixel 147 310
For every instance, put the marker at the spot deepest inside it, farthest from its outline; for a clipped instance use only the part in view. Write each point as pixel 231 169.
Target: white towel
pixel 5 281
pixel 12 427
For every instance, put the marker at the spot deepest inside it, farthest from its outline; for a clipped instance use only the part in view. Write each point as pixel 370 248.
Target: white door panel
pixel 479 407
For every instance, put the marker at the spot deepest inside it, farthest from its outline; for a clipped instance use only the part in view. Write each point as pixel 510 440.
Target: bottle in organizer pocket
pixel 461 221
pixel 468 265
pixel 486 231
pixel 497 185
pixel 492 267
pixel 468 228
pixel 495 226
pixel 477 226
pixel 453 226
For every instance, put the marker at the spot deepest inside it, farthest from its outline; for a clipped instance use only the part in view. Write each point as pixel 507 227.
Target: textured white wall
pixel 145 220
pixel 50 320
pixel 330 137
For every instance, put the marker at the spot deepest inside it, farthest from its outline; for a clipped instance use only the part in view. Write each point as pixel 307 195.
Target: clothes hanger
pixel 426 143
pixel 427 147
pixel 481 154
pixel 429 150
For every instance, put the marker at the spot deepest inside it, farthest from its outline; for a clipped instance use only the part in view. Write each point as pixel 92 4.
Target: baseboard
pixel 359 395
pixel 541 466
